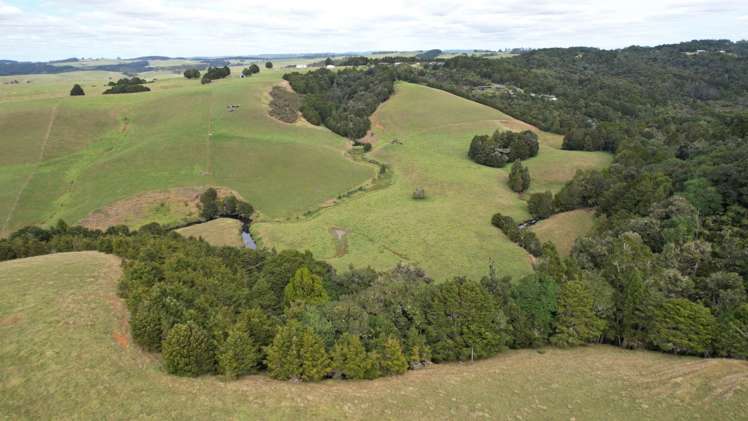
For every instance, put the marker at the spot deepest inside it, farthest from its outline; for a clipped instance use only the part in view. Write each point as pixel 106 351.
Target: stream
pixel 249 242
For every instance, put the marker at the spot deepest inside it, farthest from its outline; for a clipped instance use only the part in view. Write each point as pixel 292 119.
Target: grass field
pixel 563 228
pixel 449 233
pixel 218 232
pixel 64 157
pixel 65 352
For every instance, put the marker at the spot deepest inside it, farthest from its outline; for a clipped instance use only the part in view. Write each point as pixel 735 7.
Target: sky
pixel 41 30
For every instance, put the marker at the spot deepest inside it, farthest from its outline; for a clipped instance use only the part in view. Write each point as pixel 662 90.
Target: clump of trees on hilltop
pixel 127 86
pixel 502 147
pixel 252 69
pixel 343 101
pixel 211 206
pixel 192 74
pixel 215 73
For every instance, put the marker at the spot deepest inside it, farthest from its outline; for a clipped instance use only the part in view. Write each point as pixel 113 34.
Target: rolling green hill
pixel 65 157
pixel 449 233
pixel 65 352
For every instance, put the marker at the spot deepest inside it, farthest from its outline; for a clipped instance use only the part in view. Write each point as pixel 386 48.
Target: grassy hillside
pixel 64 157
pixel 563 228
pixel 449 233
pixel 218 232
pixel 65 352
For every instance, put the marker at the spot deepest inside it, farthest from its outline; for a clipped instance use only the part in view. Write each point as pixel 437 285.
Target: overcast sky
pixel 55 29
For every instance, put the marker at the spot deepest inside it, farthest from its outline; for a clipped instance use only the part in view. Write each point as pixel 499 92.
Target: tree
pixel 187 350
pixel 77 90
pixel 350 359
pixel 268 64
pixel 316 363
pixel 392 360
pixel 145 325
pixel 576 322
pixel 519 177
pixel 229 205
pixel 540 205
pixel 238 355
pixel 304 288
pixel 328 61
pixel 534 303
pixel 702 194
pixel 284 359
pixel 209 204
pixel 462 321
pixel 731 337
pixel 192 74
pixel 683 327
pixel 254 68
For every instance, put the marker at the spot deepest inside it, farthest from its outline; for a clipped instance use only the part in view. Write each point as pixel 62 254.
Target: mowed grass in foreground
pixel 66 352
pixel 218 232
pixel 449 233
pixel 64 157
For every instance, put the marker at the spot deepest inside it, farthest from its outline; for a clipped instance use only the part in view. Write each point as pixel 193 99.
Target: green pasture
pixel 449 233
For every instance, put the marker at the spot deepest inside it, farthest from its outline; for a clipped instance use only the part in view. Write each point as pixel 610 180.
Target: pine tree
pixel 418 352
pixel 306 288
pixel 187 350
pixel 519 177
pixel 238 355
pixel 392 360
pixel 525 178
pixel 683 327
pixel 262 296
pixel 284 359
pixel 576 322
pixel 350 359
pixel 209 204
pixel 77 90
pixel 316 363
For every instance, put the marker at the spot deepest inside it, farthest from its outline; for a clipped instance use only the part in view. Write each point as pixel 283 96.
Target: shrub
pixel 187 350
pixel 268 64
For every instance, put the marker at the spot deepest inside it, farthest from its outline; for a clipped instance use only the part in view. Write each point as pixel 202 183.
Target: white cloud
pixel 220 27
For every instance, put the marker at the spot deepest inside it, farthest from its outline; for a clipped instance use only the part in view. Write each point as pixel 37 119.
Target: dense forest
pixel 343 100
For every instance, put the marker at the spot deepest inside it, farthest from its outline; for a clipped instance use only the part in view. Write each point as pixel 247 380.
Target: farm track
pixel 52 117
pixel 208 138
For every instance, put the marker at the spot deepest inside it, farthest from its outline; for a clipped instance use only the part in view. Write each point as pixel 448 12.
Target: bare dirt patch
pixel 179 204
pixel 341 242
pixel 11 320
